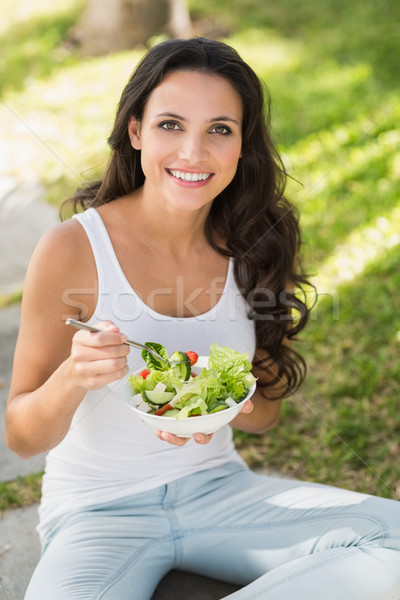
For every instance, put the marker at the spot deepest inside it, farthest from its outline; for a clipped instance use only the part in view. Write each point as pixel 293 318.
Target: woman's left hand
pixel 199 438
pixel 247 407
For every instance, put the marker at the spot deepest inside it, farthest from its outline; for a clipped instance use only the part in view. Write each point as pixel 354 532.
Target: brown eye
pixel 221 130
pixel 169 125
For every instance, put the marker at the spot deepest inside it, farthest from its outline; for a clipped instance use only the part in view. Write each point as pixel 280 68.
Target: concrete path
pixel 11 466
pixel 24 217
pixel 19 551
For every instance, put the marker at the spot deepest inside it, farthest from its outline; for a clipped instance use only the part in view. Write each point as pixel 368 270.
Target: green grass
pixel 9 299
pixel 331 69
pixel 20 492
pixel 35 46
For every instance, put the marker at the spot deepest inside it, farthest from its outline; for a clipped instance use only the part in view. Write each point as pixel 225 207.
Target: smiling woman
pixel 194 149
pixel 190 232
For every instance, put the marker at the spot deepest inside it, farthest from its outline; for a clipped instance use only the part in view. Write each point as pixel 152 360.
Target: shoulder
pixel 62 264
pixel 65 243
pixel 63 253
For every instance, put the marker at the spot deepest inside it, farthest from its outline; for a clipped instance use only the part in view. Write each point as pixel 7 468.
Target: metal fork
pixel 80 325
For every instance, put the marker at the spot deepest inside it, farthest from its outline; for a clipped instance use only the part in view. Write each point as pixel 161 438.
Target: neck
pixel 172 232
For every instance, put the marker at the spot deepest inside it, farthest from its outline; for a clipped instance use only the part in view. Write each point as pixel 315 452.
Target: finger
pixel 100 367
pixel 202 438
pixel 165 436
pixel 106 337
pixel 247 407
pixel 82 352
pixel 100 380
pixel 106 326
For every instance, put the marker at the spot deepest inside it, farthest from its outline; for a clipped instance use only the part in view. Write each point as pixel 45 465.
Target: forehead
pixel 204 93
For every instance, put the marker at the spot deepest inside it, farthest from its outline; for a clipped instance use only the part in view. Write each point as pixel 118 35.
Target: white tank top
pixel 109 453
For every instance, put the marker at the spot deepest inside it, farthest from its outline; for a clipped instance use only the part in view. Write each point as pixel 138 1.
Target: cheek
pixel 160 149
pixel 233 150
pixel 231 158
pixel 152 160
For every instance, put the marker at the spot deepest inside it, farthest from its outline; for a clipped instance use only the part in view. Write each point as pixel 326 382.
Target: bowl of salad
pixel 199 395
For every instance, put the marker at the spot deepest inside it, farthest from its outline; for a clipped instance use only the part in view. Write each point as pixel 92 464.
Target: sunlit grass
pixel 343 426
pixel 33 39
pixel 364 246
pixel 349 174
pixel 57 130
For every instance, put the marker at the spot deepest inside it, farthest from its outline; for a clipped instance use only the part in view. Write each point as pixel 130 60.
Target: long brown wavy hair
pixel 258 224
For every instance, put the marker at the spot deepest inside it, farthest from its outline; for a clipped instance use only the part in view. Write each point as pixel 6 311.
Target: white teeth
pixel 185 176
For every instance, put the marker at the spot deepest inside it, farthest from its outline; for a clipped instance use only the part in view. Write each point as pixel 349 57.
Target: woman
pixel 186 241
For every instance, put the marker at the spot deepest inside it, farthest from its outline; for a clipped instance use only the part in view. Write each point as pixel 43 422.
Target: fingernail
pixel 123 337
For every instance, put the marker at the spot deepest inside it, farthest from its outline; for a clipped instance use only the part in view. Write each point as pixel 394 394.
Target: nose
pixel 193 148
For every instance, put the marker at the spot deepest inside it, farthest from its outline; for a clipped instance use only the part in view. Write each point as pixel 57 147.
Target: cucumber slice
pixel 183 371
pixel 171 413
pixel 157 397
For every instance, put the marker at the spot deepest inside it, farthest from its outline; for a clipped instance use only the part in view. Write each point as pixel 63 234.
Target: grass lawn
pixel 332 71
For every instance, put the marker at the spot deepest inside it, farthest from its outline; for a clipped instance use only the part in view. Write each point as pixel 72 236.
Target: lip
pixel 190 184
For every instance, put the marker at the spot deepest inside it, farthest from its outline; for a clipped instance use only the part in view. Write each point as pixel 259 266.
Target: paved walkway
pixel 24 217
pixel 19 551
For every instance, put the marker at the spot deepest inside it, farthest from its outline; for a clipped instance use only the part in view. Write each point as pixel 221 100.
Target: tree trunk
pixel 113 25
pixel 180 25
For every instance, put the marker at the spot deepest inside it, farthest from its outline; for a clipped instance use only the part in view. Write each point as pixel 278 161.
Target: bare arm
pixel 53 368
pixel 262 412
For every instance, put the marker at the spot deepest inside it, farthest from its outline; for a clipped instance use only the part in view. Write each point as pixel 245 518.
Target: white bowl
pixel 186 427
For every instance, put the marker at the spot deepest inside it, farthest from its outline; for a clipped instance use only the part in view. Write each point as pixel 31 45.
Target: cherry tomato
pixel 192 356
pixel 144 373
pixel 163 409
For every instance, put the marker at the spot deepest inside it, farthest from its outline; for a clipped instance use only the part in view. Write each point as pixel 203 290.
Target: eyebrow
pixel 180 118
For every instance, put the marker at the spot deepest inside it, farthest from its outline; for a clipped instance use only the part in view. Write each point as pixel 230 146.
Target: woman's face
pixel 190 138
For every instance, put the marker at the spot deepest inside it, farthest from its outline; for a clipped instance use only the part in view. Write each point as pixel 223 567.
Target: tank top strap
pixel 108 268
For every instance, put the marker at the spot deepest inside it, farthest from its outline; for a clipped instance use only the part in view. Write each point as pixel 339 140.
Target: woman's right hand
pixel 98 359
pixel 40 417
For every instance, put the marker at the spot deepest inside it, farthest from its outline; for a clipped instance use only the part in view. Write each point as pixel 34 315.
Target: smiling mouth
pixel 186 176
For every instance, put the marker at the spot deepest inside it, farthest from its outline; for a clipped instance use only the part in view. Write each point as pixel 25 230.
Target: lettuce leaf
pixel 140 385
pixel 234 369
pixel 206 386
pixel 151 361
pixel 196 406
pixel 227 360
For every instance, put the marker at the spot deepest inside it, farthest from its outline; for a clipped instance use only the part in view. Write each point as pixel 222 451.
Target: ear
pixel 134 133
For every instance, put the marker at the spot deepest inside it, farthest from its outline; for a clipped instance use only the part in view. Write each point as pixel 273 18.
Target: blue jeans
pixel 281 539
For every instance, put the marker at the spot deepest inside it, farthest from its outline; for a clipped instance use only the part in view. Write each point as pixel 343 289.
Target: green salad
pixel 176 391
